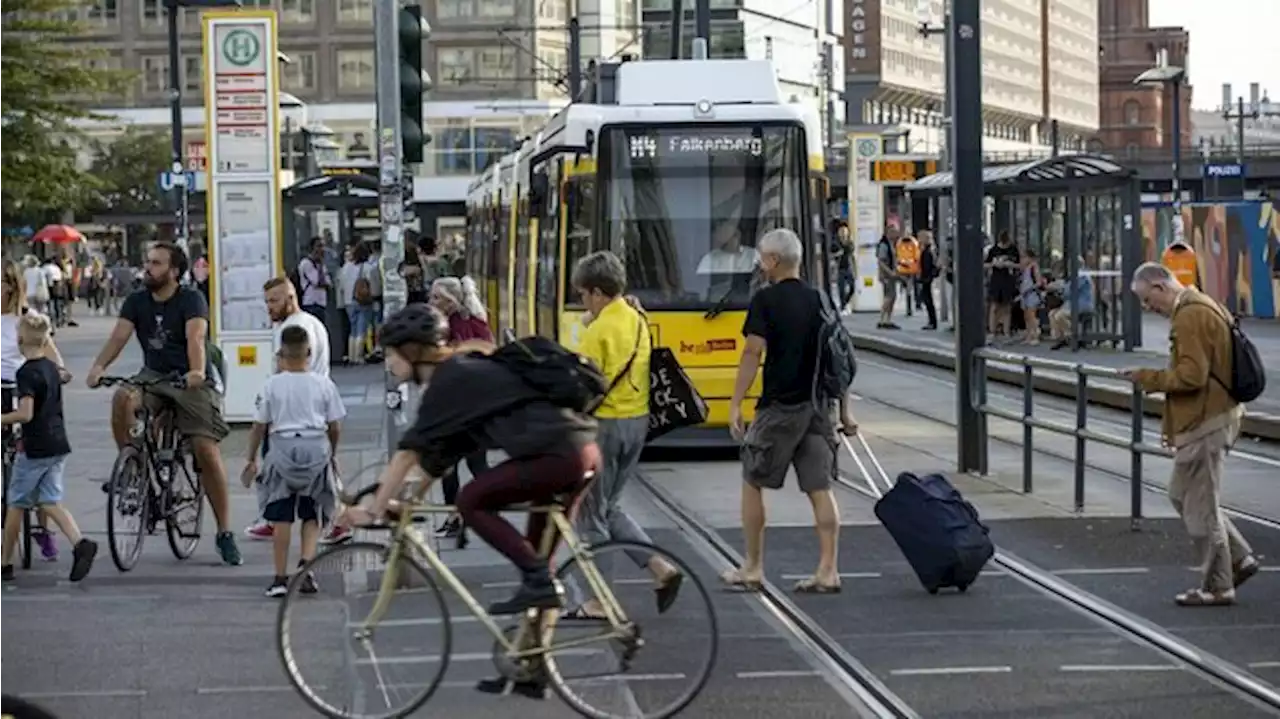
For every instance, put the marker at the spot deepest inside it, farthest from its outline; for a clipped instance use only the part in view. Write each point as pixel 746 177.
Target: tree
pixel 126 172
pixel 48 84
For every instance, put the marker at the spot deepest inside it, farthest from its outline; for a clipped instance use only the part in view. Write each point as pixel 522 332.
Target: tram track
pixel 861 687
pixel 1015 404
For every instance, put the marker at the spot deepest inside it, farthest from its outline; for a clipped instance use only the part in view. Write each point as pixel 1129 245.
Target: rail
pixel 1135 445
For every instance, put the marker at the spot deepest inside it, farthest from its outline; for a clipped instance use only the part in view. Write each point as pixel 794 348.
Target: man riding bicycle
pixel 171 323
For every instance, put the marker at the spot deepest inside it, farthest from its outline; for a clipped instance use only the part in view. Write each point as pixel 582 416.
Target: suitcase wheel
pixel 962 587
pixel 932 590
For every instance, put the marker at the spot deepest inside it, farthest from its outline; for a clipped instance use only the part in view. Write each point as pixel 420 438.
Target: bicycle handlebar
pixel 174 380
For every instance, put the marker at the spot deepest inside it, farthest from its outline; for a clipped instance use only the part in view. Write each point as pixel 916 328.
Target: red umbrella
pixel 60 234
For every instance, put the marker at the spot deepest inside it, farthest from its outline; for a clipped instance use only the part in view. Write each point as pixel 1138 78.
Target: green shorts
pixel 196 412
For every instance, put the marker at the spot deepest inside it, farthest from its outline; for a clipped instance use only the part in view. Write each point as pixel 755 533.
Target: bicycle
pixel 12 441
pixel 144 482
pixel 525 654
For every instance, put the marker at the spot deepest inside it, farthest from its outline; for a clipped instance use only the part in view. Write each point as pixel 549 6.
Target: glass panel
pixel 685 205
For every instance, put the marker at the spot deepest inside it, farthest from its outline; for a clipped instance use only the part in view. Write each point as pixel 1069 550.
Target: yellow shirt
pixel 609 341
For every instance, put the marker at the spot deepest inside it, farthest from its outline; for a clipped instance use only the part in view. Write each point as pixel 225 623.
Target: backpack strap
pixel 1232 326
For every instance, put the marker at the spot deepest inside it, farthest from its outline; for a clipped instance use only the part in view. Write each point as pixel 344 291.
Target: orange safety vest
pixel 1181 261
pixel 908 256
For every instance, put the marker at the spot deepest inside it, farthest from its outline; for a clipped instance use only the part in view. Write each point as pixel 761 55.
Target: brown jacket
pixel 1195 383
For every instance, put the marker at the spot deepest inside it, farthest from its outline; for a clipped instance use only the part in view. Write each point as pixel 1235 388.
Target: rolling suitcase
pixel 938 531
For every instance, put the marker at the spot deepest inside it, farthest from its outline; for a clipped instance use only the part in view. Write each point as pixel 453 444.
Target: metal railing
pixel 1135 444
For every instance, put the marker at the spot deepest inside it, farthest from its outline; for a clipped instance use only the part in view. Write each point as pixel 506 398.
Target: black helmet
pixel 417 323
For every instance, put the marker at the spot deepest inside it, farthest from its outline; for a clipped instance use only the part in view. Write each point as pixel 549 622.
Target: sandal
pixel 1244 570
pixel 667 591
pixel 580 614
pixel 735 579
pixel 1205 598
pixel 813 585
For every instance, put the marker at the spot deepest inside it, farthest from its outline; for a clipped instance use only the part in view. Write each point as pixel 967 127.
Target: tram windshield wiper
pixel 720 305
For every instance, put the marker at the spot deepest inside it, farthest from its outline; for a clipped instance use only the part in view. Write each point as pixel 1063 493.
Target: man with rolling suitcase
pixel 788 323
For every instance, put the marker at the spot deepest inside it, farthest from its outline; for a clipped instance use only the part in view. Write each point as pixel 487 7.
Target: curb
pixel 1256 424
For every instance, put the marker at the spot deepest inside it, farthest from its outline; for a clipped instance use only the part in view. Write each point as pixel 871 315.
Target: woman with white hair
pixel 460 302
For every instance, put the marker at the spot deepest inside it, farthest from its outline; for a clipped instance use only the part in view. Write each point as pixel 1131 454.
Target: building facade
pixel 499 69
pixel 1139 117
pixel 802 39
pixel 1039 65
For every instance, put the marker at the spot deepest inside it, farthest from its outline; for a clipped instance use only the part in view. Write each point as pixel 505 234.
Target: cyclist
pixel 13 307
pixel 171 323
pixel 550 447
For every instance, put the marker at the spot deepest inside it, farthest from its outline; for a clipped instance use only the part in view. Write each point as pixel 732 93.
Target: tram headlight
pixel 704 108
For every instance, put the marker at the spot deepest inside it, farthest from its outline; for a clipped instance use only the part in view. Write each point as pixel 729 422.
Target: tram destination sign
pixel 693 147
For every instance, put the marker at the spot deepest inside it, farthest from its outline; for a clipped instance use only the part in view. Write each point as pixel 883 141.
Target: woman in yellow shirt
pixel 617 339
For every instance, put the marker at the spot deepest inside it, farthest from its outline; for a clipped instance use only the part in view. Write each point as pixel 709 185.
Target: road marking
pixel 254 690
pixel 778 674
pixel 465 657
pixel 1264 665
pixel 1119 668
pixel 1100 570
pixel 513 585
pixel 104 694
pixel 946 671
pixel 1260 569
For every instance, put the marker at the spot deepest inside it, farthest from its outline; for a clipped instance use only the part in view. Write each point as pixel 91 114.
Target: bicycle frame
pixel 559 523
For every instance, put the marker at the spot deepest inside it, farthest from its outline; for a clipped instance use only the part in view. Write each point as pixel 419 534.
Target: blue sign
pixel 1232 170
pixel 170 180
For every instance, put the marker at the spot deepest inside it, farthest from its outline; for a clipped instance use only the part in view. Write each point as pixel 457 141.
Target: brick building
pixel 1135 117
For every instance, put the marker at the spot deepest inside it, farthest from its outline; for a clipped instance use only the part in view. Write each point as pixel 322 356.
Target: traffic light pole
pixel 386 24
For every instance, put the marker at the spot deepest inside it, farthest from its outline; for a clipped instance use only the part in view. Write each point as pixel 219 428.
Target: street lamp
pixel 181 229
pixel 1171 75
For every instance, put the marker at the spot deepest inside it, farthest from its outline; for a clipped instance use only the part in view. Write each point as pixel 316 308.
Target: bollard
pixel 1028 409
pixel 1082 420
pixel 1136 407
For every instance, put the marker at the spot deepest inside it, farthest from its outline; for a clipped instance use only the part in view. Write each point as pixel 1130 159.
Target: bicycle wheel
pixel 185 509
pixel 128 503
pixel 346 676
pixel 661 666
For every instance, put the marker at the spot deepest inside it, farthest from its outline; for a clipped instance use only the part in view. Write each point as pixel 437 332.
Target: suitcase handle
pixel 868 477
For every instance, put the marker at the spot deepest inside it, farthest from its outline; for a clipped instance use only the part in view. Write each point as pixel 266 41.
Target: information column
pixel 243 130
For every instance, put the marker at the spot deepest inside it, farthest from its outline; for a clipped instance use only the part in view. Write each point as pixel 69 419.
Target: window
pixel 299 12
pixel 497 64
pixel 301 73
pixel 355 70
pixel 102 13
pixel 454 9
pixel 155 74
pixel 455 148
pixel 455 65
pixel 1132 112
pixel 355 11
pixel 497 8
pixel 192 73
pixel 153 13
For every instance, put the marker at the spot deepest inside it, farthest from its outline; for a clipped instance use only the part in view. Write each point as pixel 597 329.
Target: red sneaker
pixel 260 531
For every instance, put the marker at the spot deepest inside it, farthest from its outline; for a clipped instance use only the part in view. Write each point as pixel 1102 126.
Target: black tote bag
pixel 673 401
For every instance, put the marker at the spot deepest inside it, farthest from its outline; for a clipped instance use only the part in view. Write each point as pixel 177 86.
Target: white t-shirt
pixel 53 273
pixel 317 335
pixel 347 277
pixel 10 358
pixel 35 278
pixel 299 402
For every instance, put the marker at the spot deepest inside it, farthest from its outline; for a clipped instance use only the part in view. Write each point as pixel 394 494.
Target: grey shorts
pixel 785 436
pixel 196 412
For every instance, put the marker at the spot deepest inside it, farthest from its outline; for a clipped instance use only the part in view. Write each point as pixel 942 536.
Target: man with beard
pixel 171 323
pixel 283 307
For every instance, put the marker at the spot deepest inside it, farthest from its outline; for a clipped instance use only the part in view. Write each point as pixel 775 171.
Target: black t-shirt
pixel 46 434
pixel 161 327
pixel 788 316
pixel 1004 278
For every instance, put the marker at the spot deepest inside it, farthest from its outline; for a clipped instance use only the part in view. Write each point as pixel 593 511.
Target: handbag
pixel 673 400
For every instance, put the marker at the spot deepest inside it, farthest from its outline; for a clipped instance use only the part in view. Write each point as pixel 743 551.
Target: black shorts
pixel 292 509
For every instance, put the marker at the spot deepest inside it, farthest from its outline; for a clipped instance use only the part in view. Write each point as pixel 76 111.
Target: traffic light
pixel 414 83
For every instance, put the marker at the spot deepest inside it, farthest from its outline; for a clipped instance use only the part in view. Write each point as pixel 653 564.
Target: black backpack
pixel 296 278
pixel 1248 376
pixel 566 378
pixel 837 365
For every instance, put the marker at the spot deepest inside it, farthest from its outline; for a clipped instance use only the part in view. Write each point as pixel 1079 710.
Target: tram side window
pixel 580 235
pixel 822 237
pixel 548 249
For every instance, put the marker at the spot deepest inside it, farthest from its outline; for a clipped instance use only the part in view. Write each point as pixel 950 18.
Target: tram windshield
pixel 685 205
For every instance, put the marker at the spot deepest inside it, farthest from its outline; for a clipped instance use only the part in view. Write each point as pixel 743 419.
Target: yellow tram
pixel 690 163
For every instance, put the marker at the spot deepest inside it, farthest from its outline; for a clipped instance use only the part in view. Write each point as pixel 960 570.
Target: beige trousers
pixel 1195 489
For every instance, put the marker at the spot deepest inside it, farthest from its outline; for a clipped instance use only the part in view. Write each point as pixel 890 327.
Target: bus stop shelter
pixel 1080 213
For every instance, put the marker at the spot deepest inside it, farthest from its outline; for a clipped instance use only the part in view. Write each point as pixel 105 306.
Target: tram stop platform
pixel 937 349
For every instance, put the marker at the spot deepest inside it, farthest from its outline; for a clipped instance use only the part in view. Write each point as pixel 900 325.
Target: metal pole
pixel 180 229
pixel 946 230
pixel 829 62
pixel 1240 130
pixel 965 68
pixel 575 59
pixel 677 29
pixel 1177 145
pixel 386 21
pixel 703 26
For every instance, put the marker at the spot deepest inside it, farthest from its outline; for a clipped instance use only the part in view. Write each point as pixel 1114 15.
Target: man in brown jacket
pixel 1201 422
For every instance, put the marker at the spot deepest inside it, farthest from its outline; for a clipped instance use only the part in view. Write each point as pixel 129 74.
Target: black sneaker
pixel 82 558
pixel 6 573
pixel 309 583
pixel 279 587
pixel 449 528
pixel 537 591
